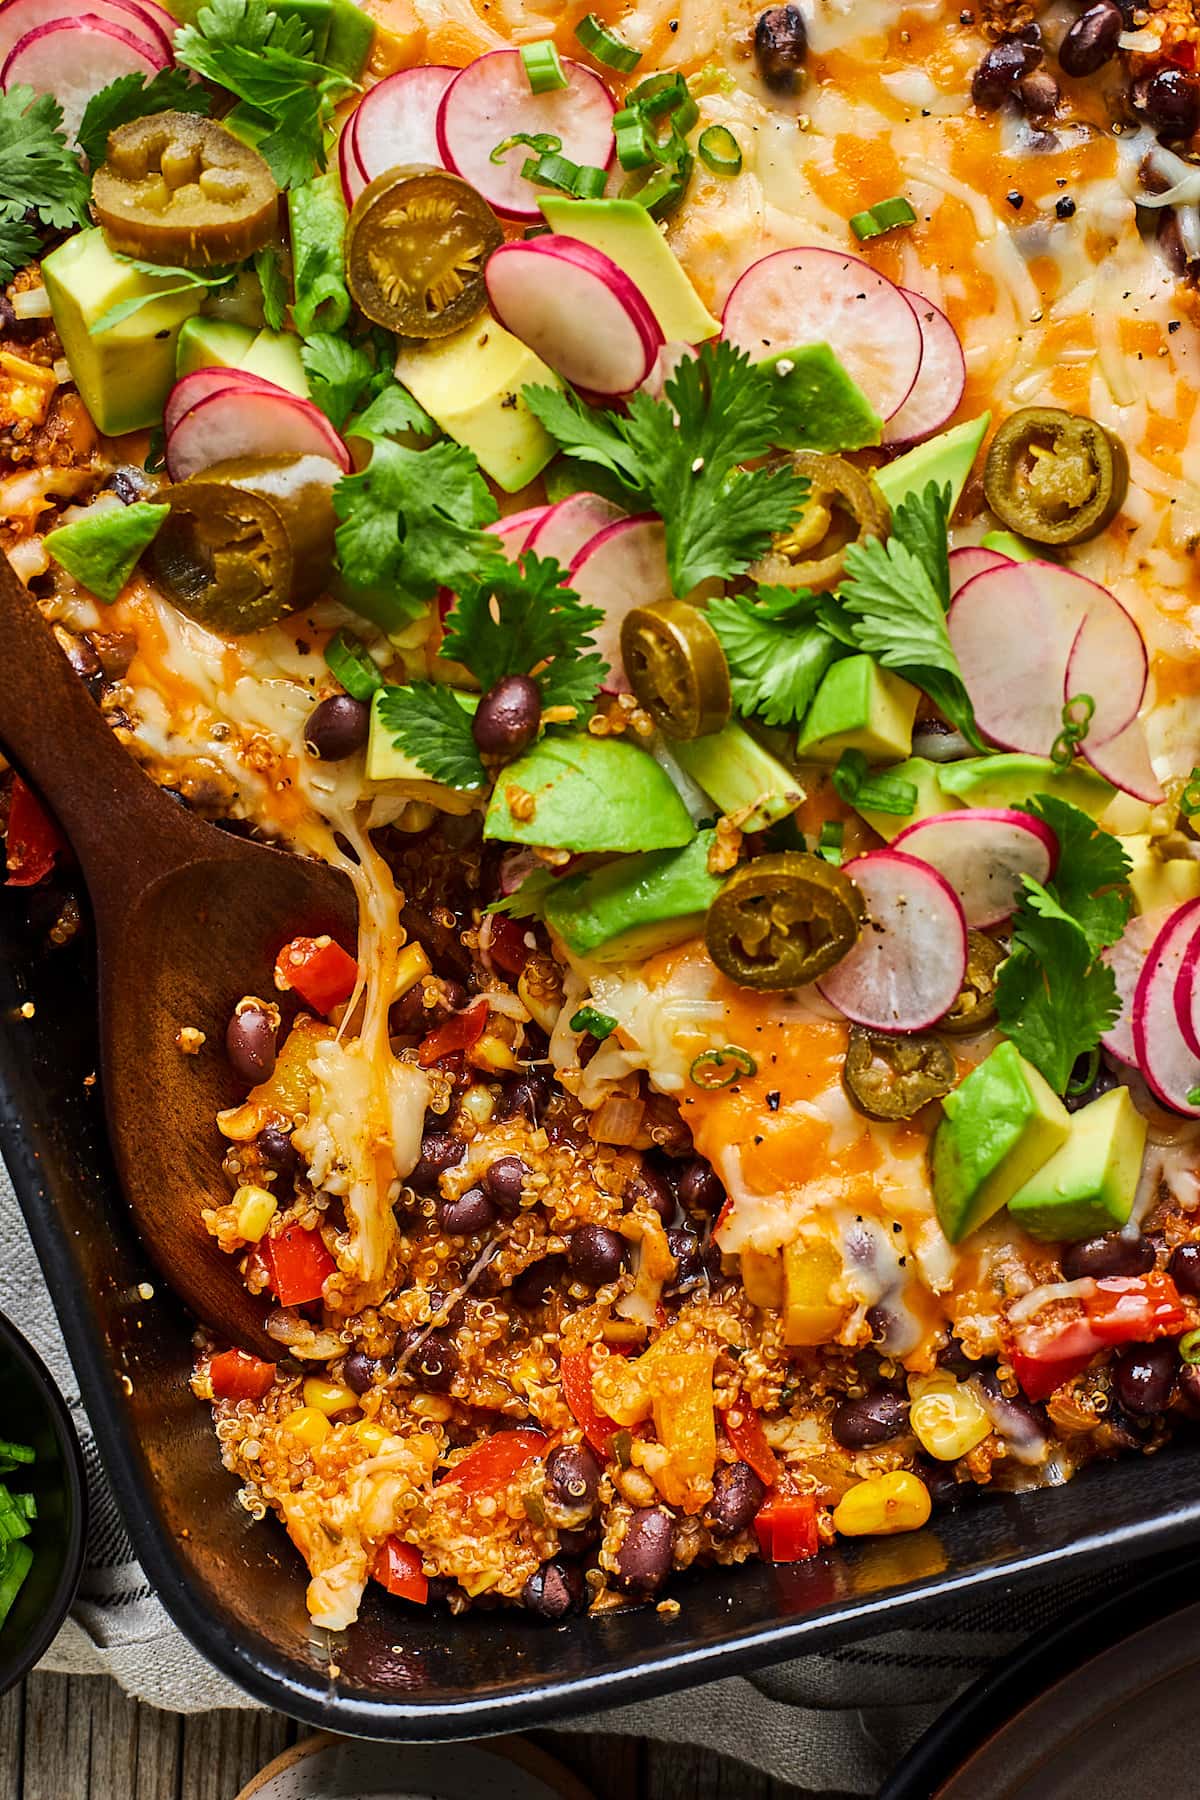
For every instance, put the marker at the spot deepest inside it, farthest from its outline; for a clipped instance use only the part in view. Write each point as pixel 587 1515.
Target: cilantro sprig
pixel 776 648
pixel 42 182
pixel 1054 997
pixel 432 727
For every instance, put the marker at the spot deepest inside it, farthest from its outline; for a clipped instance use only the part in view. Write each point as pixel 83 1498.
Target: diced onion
pixel 1034 1301
pixel 31 303
pixel 61 370
pixel 618 1120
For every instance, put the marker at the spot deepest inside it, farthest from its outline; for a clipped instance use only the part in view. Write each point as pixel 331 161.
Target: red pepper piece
pixel 507 948
pixel 786 1528
pixel 321 972
pixel 743 1428
pixel 1134 1309
pixel 298 1263
pixel 398 1567
pixel 461 1030
pixel 575 1372
pixel 495 1461
pixel 33 841
pixel 1039 1375
pixel 236 1376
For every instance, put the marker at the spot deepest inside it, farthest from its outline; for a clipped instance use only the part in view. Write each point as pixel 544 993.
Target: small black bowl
pixel 32 1411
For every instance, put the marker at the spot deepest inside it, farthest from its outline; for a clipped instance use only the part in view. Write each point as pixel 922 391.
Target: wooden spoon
pixel 189 918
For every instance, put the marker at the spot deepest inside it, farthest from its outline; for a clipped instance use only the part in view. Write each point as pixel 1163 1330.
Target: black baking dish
pixel 237 1589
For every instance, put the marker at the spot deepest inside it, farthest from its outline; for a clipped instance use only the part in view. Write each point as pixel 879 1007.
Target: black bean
pixel 250 1044
pixel 737 1495
pixel 1143 1376
pixel 1092 39
pixel 1170 100
pixel 440 1151
pixel 870 1419
pixel 1038 94
pixel 503 1182
pixel 996 78
pixel 939 1478
pixel 8 318
pixel 700 1188
pixel 553 1591
pixel 528 1093
pixel 1187 1393
pixel 472 1212
pixel 275 1147
pixel 690 1271
pixel 596 1254
pixel 129 483
pixel 644 1559
pixel 651 1184
pixel 781 46
pixel 435 1363
pixel 508 716
pixel 1184 1269
pixel 1112 1254
pixel 534 1285
pixel 1169 239
pixel 337 728
pixel 573 1475
pixel 358 1371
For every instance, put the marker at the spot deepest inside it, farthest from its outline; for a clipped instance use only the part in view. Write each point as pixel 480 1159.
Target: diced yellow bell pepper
pixel 685 1424
pixel 762 1278
pixel 810 1315
pixel 411 964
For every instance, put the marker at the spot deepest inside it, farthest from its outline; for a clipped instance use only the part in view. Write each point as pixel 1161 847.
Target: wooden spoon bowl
pixel 189 918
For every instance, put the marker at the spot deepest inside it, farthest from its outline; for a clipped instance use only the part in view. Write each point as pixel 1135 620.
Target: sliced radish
pixel 940 382
pixel 352 178
pixel 491 100
pixel 197 386
pixel 971 560
pixel 810 296
pixel 74 58
pixel 515 531
pixel 564 529
pixel 1108 661
pixel 1170 1066
pixel 983 853
pixel 250 421
pixel 1127 958
pixel 19 17
pixel 160 17
pixel 396 123
pixel 1125 761
pixel 1187 994
pixel 908 965
pixel 577 310
pixel 670 356
pixel 623 566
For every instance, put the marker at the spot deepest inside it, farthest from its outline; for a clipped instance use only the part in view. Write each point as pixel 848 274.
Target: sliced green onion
pixel 1077 719
pixel 544 142
pixel 659 94
pixel 348 658
pixel 591 1019
pixel 1189 1343
pixel 552 170
pixel 607 48
pixel 544 70
pixel 709 1071
pixel 1193 1098
pixel 831 842
pixel 661 194
pixel 720 151
pixel 886 216
pixel 1090 1071
pixel 1189 800
pixel 636 148
pixel 872 793
pixel 590 182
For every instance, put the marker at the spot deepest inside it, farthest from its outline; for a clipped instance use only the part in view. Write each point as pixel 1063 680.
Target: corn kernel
pixel 884 1504
pixel 329 1397
pixel 947 1420
pixel 368 1432
pixel 411 964
pixel 478 1103
pixel 256 1206
pixel 432 1406
pixel 309 1425
pixel 493 1054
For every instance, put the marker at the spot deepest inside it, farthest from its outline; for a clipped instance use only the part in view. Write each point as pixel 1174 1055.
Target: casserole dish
pixel 240 1600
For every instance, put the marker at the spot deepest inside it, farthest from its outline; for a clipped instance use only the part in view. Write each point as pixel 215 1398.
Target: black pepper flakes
pixel 1015 200
pixel 773 1099
pixel 1173 325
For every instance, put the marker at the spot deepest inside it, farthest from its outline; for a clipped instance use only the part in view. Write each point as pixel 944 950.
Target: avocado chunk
pixel 823 408
pixel 624 231
pixel 635 907
pixel 211 344
pixel 275 356
pixel 349 39
pixel 387 763
pixel 945 459
pixel 1001 1124
pixel 859 706
pixel 931 801
pixel 471 382
pixel 102 548
pixel 1159 880
pixel 1088 1186
pixel 588 793
pixel 125 372
pixel 1012 779
pixel 1008 544
pixel 740 776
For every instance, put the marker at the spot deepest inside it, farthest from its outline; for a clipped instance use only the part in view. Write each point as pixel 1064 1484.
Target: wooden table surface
pixel 79 1738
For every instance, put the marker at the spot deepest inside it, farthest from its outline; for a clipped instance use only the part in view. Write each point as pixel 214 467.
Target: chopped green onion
pixel 1091 1068
pixel 591 1019
pixel 636 148
pixel 607 48
pixel 872 793
pixel 1189 1343
pixel 661 194
pixel 542 66
pixel 1193 1098
pixel 544 142
pixel 16 1512
pixel 1077 719
pixel 590 182
pixel 659 94
pixel 552 170
pixel 13 1454
pixel 1189 800
pixel 883 217
pixel 720 151
pixel 709 1072
pixel 831 842
pixel 349 659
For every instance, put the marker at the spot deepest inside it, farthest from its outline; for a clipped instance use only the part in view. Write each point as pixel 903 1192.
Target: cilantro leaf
pixel 1053 999
pixel 588 435
pixel 273 284
pixel 430 726
pixel 517 620
pixel 1092 868
pixel 775 665
pixel 411 522
pixel 132 97
pixel 339 374
pixel 527 901
pixel 392 411
pixel 19 244
pixel 894 600
pixel 39 171
pixel 184 281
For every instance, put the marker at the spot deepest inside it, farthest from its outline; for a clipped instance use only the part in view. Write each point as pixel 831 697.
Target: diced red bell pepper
pixel 506 945
pixel 461 1030
pixel 298 1263
pixel 575 1372
pixel 1133 1309
pixel 744 1429
pixel 320 971
pixel 33 840
pixel 496 1460
pixel 398 1567
pixel 1183 55
pixel 236 1376
pixel 786 1528
pixel 1039 1374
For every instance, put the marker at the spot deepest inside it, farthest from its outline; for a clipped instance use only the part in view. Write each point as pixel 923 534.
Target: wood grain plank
pixel 222 1750
pixel 12 1740
pixel 58 1737
pixel 610 1766
pixel 688 1772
